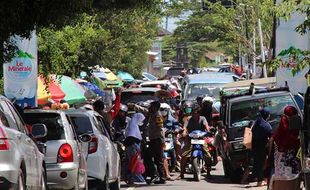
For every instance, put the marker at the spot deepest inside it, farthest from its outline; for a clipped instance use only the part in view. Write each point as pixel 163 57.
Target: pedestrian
pixel 157 139
pixel 120 122
pixel 132 144
pixel 261 133
pixel 169 124
pixel 287 164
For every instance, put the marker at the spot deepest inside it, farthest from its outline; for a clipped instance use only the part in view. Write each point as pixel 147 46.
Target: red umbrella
pixel 54 91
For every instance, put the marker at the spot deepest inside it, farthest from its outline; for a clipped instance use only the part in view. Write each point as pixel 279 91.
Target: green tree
pixel 20 17
pixel 114 38
pixel 72 48
pixel 231 28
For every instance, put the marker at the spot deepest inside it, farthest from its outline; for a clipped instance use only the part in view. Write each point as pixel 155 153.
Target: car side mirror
pixel 85 138
pixel 38 131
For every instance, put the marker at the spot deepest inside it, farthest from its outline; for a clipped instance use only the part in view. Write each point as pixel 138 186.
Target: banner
pixel 297 83
pixel 20 75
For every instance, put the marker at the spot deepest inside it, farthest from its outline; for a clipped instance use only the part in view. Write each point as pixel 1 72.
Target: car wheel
pixel 236 175
pixel 21 183
pixel 104 185
pixel 116 185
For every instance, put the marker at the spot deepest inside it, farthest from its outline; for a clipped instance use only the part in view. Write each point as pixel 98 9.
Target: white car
pixel 103 159
pixel 21 163
pixel 66 152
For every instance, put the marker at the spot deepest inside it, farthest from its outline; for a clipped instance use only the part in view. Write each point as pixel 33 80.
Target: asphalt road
pixel 218 182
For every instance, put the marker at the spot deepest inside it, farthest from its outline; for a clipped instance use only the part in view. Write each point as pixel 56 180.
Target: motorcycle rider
pixel 194 122
pixel 206 109
pixel 186 111
pixel 120 122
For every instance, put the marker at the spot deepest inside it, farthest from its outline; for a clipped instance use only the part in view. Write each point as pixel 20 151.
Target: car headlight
pixel 237 145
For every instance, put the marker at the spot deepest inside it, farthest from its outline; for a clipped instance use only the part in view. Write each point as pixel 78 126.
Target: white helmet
pixel 123 108
pixel 208 99
pixel 165 106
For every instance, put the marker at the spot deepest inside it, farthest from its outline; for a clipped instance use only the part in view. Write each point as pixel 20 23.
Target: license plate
pixel 197 141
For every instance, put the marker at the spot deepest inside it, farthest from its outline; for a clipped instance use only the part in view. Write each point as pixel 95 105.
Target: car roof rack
pixel 251 91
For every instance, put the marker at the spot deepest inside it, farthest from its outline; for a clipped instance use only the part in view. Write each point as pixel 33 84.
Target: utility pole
pixel 254 54
pixel 179 52
pixel 262 48
pixel 185 55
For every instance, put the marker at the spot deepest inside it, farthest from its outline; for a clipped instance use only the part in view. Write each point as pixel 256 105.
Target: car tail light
pixel 4 143
pixel 93 145
pixel 65 154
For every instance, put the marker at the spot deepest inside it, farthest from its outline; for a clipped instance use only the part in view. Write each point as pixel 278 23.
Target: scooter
pixel 197 157
pixel 212 149
pixel 169 151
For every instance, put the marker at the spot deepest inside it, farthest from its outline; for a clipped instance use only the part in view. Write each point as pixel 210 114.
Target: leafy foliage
pixel 230 28
pixel 20 17
pixel 115 38
pixel 288 7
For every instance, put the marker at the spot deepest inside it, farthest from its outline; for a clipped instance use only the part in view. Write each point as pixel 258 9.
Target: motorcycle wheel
pixel 197 169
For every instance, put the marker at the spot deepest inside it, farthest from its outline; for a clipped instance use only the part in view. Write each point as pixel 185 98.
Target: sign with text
pixel 20 75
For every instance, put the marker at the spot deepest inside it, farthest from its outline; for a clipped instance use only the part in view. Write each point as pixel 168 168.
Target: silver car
pixel 103 159
pixel 65 159
pixel 21 163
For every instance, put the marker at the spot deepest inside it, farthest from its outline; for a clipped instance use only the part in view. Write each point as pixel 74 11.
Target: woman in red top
pixel 287 143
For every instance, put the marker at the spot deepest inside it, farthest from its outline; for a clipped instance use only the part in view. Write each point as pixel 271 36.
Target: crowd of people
pixel 276 161
pixel 275 153
pixel 276 158
pixel 143 135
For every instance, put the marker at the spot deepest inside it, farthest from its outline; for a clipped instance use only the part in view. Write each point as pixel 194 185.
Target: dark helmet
pixel 98 105
pixel 199 98
pixel 196 107
pixel 187 104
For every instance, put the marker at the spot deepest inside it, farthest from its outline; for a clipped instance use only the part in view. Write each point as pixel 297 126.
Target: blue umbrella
pixel 100 75
pixel 92 87
pixel 125 76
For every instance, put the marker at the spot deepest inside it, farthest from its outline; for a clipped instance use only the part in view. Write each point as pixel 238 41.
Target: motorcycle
pixel 212 149
pixel 169 150
pixel 197 156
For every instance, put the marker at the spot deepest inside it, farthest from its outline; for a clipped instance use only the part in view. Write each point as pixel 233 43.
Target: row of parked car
pixel 55 149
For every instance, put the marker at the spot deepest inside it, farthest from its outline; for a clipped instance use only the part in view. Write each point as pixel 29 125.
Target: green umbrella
pixel 125 76
pixel 291 51
pixel 70 87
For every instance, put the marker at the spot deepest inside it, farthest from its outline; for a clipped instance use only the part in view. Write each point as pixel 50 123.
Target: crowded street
pixel 154 95
pixel 218 182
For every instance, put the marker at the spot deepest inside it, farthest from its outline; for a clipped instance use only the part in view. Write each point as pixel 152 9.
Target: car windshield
pixel 139 96
pixel 82 124
pixel 245 111
pixel 52 121
pixel 175 71
pixel 211 89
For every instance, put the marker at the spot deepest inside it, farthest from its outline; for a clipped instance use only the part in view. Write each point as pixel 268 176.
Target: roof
pixel 267 82
pixel 258 96
pixel 211 77
pixel 155 82
pixel 163 32
pixel 245 94
pixel 43 111
pixel 83 112
pixel 141 89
